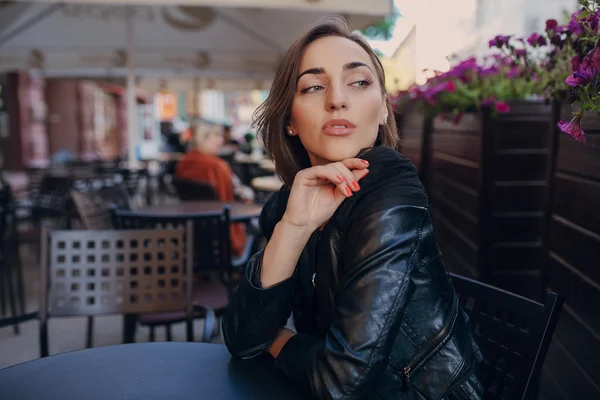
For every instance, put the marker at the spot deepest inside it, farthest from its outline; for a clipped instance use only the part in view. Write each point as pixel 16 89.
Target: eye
pixel 361 84
pixel 314 88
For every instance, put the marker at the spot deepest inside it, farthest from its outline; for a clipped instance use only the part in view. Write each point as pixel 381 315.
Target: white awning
pixel 211 42
pixel 371 7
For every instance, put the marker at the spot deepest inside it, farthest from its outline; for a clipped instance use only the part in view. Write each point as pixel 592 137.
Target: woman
pixel 202 164
pixel 351 247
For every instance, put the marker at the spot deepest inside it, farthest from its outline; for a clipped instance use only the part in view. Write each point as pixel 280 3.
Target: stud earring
pixel 290 132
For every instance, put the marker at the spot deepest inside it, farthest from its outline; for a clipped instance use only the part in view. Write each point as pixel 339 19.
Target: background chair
pixel 188 190
pixel 110 272
pixel 514 334
pixel 94 207
pixel 12 289
pixel 215 274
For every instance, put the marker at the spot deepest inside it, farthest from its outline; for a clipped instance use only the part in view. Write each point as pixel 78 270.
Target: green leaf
pixel 383 30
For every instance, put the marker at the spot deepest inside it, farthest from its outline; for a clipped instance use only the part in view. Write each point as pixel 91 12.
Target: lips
pixel 338 127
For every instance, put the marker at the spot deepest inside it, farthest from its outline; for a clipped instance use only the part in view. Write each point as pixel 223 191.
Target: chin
pixel 340 152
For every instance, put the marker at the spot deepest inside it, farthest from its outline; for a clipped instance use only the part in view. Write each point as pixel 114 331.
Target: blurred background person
pixel 201 164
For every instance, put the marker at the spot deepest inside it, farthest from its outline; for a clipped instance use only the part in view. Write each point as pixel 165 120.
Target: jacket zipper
pixel 429 346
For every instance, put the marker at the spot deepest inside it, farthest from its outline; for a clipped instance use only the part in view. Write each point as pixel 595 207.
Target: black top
pixel 145 371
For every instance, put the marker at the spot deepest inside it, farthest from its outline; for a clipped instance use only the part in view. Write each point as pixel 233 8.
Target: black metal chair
pixel 188 190
pixel 94 206
pixel 514 334
pixel 103 272
pixel 211 256
pixel 12 290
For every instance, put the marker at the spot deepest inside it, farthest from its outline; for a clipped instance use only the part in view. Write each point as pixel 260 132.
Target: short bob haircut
pixel 272 116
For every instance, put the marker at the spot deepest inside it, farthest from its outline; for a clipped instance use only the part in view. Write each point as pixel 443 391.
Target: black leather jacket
pixel 381 319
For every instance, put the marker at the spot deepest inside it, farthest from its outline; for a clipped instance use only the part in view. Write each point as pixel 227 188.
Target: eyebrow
pixel 321 70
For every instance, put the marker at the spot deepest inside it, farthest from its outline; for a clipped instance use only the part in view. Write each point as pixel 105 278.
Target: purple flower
pixel 557 40
pixel 592 60
pixel 513 72
pixel 592 20
pixel 563 29
pixel 493 70
pixel 551 24
pixel 488 101
pixel 575 24
pixel 575 63
pixel 499 41
pixel 581 77
pixel 573 128
pixel 457 118
pixel 521 53
pixel 450 87
pixel 536 39
pixel 587 70
pixel 501 107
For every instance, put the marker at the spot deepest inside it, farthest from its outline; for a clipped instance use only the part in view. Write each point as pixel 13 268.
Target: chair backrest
pixel 5 212
pixel 212 243
pixel 94 207
pixel 107 272
pixel 52 198
pixel 116 196
pixel 130 178
pixel 514 334
pixel 188 190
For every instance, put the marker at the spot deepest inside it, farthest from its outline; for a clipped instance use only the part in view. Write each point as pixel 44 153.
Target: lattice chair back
pixel 212 243
pixel 514 334
pixel 114 272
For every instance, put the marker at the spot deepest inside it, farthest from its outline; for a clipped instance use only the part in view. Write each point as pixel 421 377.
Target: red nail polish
pixel 340 179
pixel 355 185
pixel 348 191
pixel 366 173
pixel 364 162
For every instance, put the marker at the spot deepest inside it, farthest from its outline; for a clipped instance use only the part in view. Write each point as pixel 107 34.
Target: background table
pixel 146 371
pixel 237 212
pixel 267 183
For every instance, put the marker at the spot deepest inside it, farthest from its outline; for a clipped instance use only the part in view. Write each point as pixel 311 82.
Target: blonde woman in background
pixel 201 164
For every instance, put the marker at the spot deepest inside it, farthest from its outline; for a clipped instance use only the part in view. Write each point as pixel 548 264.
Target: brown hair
pixel 272 116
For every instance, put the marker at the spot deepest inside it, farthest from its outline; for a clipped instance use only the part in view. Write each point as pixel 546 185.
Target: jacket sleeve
pixel 255 315
pixel 373 290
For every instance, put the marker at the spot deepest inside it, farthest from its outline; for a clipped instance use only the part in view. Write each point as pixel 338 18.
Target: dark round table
pixel 146 371
pixel 237 211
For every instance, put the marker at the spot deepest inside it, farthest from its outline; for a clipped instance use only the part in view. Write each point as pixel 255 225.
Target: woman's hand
pixel 318 191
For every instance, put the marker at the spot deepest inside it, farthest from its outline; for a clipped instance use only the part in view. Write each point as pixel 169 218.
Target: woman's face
pixel 213 141
pixel 339 103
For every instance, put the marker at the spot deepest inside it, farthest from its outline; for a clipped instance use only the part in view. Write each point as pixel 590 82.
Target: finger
pixel 347 176
pixel 360 173
pixel 355 163
pixel 331 174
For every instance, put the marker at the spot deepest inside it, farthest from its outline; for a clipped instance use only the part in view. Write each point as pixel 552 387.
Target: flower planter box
pixel 572 266
pixel 488 187
pixel 414 130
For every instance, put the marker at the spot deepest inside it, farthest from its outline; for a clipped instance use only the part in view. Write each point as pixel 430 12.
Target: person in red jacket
pixel 201 164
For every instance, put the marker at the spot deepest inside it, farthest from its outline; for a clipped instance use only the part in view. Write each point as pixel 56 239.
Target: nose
pixel 336 99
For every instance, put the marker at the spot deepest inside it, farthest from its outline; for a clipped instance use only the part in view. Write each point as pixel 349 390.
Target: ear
pixel 290 128
pixel 384 111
